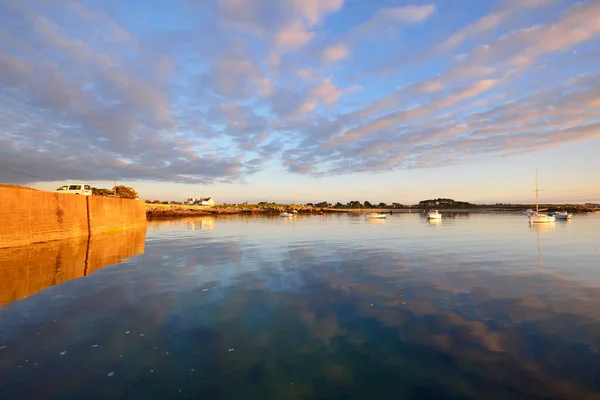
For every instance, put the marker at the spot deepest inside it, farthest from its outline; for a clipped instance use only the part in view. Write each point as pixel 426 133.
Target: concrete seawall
pixel 109 215
pixel 31 216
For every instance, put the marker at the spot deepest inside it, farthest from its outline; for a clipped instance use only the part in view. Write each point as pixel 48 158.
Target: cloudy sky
pixel 311 100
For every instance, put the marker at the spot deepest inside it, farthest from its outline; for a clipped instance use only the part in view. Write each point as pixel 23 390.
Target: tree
pixel 368 204
pixel 382 205
pixel 126 192
pixel 322 204
pixel 339 205
pixel 101 192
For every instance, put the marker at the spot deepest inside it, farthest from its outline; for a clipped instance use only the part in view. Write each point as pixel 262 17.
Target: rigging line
pixel 24 173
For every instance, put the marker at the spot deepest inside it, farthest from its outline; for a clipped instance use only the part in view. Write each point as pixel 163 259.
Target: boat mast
pixel 536 191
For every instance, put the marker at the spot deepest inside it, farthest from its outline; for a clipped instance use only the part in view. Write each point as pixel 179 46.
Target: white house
pixel 207 201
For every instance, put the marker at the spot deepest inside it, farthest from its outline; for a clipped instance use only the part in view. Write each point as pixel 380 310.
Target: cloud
pixel 230 87
pixel 335 53
pixel 292 36
pixel 506 14
pixel 488 22
pixel 482 25
pixel 411 13
pixel 519 49
pixel 429 86
pixel 425 137
pixel 326 92
pixel 391 18
pixel 299 18
pixel 83 111
pixel 466 92
pixel 314 10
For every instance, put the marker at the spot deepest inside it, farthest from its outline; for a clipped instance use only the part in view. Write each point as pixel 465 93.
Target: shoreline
pixel 162 211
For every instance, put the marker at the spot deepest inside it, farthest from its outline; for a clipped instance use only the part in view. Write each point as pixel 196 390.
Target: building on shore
pixel 207 201
pixel 202 201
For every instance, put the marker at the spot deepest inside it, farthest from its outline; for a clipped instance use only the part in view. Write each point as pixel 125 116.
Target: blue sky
pixel 312 100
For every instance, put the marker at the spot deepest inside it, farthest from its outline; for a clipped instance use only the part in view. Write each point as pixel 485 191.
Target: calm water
pixel 480 306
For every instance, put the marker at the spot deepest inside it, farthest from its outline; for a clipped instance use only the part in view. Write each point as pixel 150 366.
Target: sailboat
pixel 537 217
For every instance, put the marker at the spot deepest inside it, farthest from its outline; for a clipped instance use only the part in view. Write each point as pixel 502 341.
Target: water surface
pixel 477 306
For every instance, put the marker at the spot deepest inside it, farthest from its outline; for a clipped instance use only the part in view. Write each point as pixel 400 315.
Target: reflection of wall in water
pixel 29 269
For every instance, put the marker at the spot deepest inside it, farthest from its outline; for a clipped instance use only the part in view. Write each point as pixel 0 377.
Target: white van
pixel 76 188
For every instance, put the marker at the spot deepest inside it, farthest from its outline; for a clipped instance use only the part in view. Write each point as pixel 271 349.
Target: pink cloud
pixel 325 93
pixel 411 13
pixel 335 53
pixel 292 36
pixel 314 10
pixel 391 17
pixel 431 86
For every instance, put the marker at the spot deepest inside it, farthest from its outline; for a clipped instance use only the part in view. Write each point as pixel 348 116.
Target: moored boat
pixel 434 214
pixel 561 215
pixel 376 216
pixel 537 218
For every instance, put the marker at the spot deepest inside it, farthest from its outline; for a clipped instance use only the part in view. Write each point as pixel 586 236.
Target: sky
pixel 304 100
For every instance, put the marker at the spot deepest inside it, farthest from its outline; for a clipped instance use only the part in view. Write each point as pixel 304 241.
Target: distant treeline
pixel 356 204
pixel 432 203
pixel 445 203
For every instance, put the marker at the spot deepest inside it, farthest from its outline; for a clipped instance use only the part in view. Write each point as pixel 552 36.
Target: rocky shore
pixel 159 211
pixel 163 211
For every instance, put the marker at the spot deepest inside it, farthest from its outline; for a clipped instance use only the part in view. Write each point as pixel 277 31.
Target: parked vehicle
pixel 76 188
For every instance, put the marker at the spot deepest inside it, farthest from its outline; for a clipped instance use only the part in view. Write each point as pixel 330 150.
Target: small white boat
pixel 536 217
pixel 287 215
pixel 376 216
pixel 561 215
pixel 434 214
